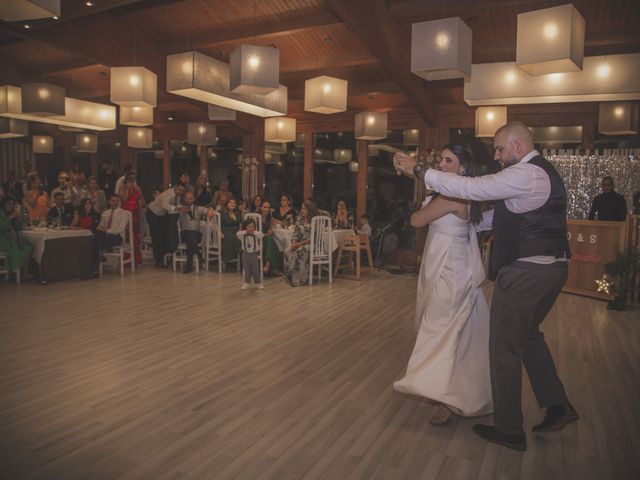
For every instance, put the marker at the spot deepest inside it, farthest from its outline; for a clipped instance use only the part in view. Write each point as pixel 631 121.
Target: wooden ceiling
pixel 366 42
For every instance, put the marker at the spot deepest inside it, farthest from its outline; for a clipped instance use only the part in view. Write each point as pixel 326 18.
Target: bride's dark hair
pixel 463 152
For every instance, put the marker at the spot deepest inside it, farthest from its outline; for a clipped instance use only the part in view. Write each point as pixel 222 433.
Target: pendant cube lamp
pixel 489 119
pixel 78 113
pixel 353 167
pixel 42 144
pixel 12 128
pixel 441 49
pixel 15 10
pixel 198 76
pixel 557 135
pixel 370 126
pixel 87 142
pixel 221 113
pixel 139 137
pixel 134 87
pixel 136 116
pixel 550 40
pixel 342 155
pixel 43 99
pixel 618 118
pixel 411 137
pixel 280 129
pixel 254 70
pixel 201 134
pixel 602 79
pixel 325 94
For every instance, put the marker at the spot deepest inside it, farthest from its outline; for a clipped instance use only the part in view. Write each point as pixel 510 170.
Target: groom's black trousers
pixel 523 295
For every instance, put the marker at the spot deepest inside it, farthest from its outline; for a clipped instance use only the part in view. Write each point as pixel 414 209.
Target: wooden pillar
pixel 363 164
pixel 203 159
pixel 258 151
pixel 166 152
pixel 308 165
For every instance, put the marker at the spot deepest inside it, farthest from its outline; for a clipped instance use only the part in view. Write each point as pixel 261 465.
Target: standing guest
pixel 190 215
pixel 286 214
pixel 64 187
pixel 365 228
pixel 109 233
pixel 96 195
pixel 609 205
pixel 107 179
pixel 202 191
pixel 529 262
pixel 256 204
pixel 18 253
pixel 243 208
pixel 229 225
pixel 157 191
pixel 77 178
pixel 36 199
pixel 86 216
pixel 342 219
pixel 128 168
pixel 13 188
pixel 221 197
pixel 61 213
pixel 185 179
pixel 164 204
pixel 132 201
pixel 251 242
pixel 270 252
pixel 296 257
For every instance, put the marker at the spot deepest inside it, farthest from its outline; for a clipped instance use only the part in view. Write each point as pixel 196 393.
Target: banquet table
pixel 61 254
pixel 283 236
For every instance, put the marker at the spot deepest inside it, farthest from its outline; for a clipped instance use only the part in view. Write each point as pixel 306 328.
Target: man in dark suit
pixel 61 213
pixel 609 205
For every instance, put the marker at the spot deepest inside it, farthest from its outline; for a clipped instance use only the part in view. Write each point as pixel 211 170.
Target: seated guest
pixel 243 208
pixel 256 204
pixel 202 191
pixel 365 228
pixel 12 187
pixel 110 232
pixel 285 215
pixel 18 252
pixel 221 197
pixel 96 195
pixel 610 206
pixel 64 187
pixel 296 257
pixel 270 253
pixel 342 219
pixel 36 199
pixel 86 217
pixel 164 204
pixel 230 221
pixel 251 245
pixel 61 214
pixel 190 215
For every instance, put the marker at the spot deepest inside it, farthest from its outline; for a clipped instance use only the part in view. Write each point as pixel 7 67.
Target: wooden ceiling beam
pixel 259 31
pixel 443 9
pixel 72 66
pixel 354 89
pixel 390 42
pixel 325 62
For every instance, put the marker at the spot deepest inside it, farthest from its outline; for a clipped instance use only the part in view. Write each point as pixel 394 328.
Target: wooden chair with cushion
pixel 354 245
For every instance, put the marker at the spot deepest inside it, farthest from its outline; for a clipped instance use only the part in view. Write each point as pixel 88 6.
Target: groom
pixel 529 262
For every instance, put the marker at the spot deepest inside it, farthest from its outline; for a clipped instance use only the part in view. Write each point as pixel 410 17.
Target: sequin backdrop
pixel 582 175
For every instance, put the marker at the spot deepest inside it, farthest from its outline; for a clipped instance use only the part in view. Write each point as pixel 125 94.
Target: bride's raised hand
pixel 403 164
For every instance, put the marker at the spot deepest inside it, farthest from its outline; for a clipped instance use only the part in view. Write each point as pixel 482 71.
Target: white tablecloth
pixel 282 236
pixel 38 237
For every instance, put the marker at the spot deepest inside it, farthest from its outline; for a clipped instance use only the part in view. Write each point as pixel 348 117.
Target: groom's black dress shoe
pixel 557 417
pixel 490 434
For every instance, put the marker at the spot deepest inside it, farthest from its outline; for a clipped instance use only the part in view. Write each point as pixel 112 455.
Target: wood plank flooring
pixel 167 376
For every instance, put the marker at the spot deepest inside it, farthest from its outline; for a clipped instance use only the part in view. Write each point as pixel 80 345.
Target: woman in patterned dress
pixel 296 257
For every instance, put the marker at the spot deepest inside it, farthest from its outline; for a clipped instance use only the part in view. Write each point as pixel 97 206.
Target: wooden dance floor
pixel 169 376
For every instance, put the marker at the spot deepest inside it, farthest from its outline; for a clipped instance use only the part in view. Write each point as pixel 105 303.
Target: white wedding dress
pixel 450 360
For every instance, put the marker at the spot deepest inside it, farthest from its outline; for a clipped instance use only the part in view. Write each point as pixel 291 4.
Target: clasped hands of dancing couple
pixel 468 357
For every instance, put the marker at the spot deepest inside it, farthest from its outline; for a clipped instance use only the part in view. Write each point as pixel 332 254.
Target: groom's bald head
pixel 512 142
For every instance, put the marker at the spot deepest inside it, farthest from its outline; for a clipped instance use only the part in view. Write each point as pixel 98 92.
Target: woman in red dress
pixel 132 200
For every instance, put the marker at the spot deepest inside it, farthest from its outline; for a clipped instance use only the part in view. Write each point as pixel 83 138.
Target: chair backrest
pixel 213 230
pixel 320 236
pixel 129 230
pixel 256 217
pixel 144 224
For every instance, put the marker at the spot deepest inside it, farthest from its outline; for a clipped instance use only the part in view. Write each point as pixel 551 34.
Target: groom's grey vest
pixel 542 231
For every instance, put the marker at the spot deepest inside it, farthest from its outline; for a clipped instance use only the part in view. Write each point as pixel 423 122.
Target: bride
pixel 450 360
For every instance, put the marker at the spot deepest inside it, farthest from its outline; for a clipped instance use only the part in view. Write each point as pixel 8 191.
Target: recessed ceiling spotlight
pixel 27 26
pixel 89 4
pixel 170 118
pixel 55 17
